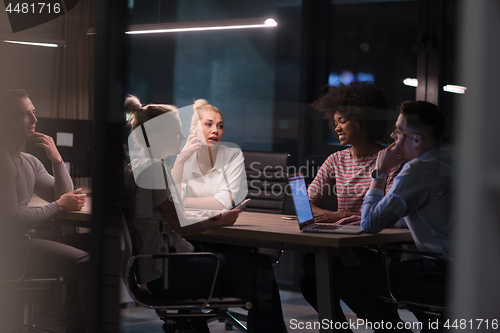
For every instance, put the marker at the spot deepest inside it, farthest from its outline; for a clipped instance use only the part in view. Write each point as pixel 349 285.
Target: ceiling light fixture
pixel 155 28
pixel 411 82
pixel 44 43
pixel 454 89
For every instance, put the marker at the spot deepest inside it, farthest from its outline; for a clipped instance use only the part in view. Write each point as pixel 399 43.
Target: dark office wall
pixel 364 38
pixel 288 106
pixel 264 80
pixel 56 79
pixel 29 67
pixel 151 57
pixel 234 70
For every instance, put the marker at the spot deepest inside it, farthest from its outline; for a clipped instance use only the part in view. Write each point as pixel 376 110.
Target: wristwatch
pixel 377 174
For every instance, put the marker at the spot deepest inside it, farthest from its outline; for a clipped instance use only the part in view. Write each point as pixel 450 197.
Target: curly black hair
pixel 360 102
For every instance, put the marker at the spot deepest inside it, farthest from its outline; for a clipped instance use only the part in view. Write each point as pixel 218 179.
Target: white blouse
pixel 226 181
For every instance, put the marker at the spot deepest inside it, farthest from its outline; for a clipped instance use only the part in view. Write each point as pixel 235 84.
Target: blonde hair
pixel 139 114
pixel 202 105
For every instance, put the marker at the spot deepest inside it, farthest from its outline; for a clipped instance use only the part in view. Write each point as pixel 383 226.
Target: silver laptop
pixel 304 212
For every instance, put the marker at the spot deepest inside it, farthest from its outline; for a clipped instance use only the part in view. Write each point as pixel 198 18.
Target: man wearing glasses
pixel 421 194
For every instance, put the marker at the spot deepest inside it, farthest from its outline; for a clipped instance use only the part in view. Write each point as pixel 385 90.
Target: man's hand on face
pixel 47 143
pixel 390 157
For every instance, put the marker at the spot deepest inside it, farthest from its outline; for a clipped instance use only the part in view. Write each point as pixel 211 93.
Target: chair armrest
pixel 131 261
pixel 27 236
pixel 388 249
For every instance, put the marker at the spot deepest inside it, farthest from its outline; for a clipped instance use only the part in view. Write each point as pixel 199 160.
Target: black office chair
pixel 390 251
pixel 15 284
pixel 267 178
pixel 313 163
pixel 180 311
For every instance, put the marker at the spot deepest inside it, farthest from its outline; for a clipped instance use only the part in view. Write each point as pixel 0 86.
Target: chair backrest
pixel 313 163
pixel 267 178
pixel 139 295
pixel 435 307
pixel 127 277
pixel 127 246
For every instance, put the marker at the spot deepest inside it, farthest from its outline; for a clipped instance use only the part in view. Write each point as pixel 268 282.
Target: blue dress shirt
pixel 421 193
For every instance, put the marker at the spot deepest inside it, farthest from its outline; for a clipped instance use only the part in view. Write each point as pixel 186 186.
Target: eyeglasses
pixel 395 131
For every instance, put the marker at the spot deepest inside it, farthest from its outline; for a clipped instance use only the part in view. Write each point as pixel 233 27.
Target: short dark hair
pixel 424 116
pixel 362 103
pixel 9 98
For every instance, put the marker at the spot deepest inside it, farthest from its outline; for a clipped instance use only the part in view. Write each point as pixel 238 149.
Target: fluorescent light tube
pixel 201 26
pixel 48 43
pixel 454 89
pixel 411 82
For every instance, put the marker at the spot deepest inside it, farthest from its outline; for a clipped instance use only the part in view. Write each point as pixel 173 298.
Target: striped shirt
pixel 347 178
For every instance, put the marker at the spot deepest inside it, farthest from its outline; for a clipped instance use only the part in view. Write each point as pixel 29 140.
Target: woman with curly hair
pixel 357 117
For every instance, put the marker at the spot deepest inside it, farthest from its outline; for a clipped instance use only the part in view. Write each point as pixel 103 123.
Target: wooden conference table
pixel 74 218
pixel 271 231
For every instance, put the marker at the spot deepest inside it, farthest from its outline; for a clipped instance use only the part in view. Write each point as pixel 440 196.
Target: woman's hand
pixel 192 144
pixel 74 200
pixel 46 142
pixel 228 217
pixel 351 220
pixel 328 216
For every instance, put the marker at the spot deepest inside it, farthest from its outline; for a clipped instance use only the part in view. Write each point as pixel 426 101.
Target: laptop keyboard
pixel 324 227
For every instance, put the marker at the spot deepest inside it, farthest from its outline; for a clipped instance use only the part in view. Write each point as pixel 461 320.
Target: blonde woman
pixel 210 174
pixel 158 218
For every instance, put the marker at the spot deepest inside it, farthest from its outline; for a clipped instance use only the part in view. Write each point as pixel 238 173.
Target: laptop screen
pixel 301 200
